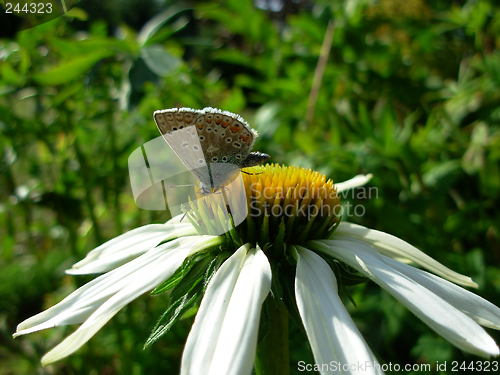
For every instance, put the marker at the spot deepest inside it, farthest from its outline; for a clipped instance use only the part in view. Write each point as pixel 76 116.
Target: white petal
pixel 356 181
pixel 80 304
pixel 144 280
pixel 438 314
pixel 333 336
pixel 476 307
pixel 201 342
pixel 128 246
pixel 223 338
pixel 395 248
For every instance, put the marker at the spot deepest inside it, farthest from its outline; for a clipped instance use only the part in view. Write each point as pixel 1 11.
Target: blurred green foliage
pixel 410 93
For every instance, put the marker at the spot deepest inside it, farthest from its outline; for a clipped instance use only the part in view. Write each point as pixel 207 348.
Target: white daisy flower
pixel 291 238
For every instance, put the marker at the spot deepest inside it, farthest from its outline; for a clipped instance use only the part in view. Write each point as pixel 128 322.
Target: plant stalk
pixel 272 352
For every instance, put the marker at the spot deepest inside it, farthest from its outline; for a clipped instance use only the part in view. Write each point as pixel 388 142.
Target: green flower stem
pixel 272 352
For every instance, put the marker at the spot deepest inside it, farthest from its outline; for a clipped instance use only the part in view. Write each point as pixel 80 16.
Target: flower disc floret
pixel 280 205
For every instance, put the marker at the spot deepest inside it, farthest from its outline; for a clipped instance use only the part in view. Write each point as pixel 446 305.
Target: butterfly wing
pixel 225 138
pixel 212 144
pixel 177 127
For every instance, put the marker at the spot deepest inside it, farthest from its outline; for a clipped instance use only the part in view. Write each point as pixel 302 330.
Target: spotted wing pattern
pixel 179 132
pixel 223 137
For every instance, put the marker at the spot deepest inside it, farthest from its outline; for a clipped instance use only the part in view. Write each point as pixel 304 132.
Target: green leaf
pixel 10 75
pixel 442 173
pixel 267 119
pixel 70 70
pixel 234 57
pixel 162 35
pixel 70 48
pixel 161 62
pixel 234 101
pixel 67 92
pixel 432 348
pixel 236 23
pixel 154 24
pixel 77 13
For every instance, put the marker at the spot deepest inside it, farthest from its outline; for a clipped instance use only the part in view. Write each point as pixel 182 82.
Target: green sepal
pixel 235 237
pixel 343 291
pixel 214 266
pixel 290 222
pixel 304 232
pixel 189 214
pixel 251 229
pixel 278 247
pixel 345 275
pixel 192 278
pixel 172 315
pixel 325 229
pixel 333 226
pixel 182 271
pixel 350 276
pixel 229 240
pixel 264 229
pixel 264 320
pixel 221 221
pixel 187 287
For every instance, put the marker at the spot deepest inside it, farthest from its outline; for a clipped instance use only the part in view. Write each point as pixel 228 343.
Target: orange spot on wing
pixel 245 139
pixel 225 124
pixel 235 129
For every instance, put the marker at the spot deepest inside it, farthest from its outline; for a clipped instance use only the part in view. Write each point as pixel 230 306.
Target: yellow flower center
pixel 271 205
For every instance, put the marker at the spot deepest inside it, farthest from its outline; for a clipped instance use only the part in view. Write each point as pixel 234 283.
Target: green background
pixel 410 92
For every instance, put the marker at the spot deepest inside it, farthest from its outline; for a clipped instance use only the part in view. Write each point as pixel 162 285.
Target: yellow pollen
pixel 281 206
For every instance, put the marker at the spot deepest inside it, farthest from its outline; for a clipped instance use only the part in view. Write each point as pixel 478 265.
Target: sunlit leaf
pixel 161 62
pixel 70 70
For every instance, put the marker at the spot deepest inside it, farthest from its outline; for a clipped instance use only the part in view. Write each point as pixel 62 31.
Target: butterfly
pixel 213 144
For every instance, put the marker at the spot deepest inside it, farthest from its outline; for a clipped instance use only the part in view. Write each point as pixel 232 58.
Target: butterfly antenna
pixel 251 174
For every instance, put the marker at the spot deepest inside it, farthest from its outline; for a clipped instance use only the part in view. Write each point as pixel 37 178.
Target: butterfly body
pixel 213 144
